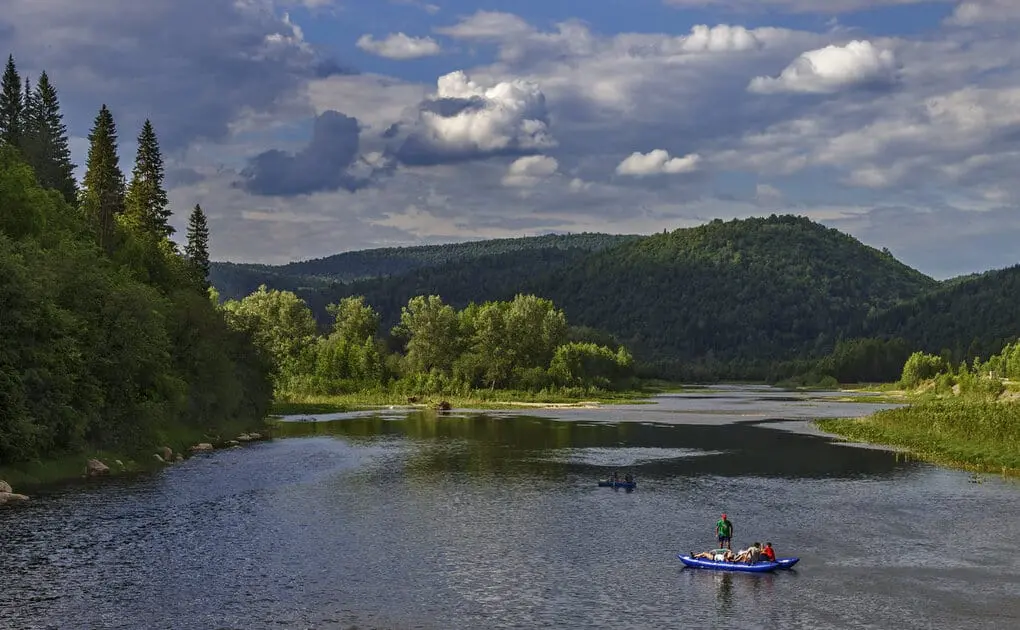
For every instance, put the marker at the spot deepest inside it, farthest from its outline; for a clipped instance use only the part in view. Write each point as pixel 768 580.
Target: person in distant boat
pixel 615 477
pixel 768 553
pixel 724 530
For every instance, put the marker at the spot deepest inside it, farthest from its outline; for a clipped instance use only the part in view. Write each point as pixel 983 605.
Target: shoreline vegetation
pixel 964 417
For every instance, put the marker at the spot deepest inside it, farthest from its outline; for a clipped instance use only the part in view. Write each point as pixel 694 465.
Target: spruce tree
pixel 147 201
pixel 197 249
pixel 103 184
pixel 47 149
pixel 11 105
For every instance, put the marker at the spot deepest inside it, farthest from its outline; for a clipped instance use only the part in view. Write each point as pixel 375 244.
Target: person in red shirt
pixel 768 553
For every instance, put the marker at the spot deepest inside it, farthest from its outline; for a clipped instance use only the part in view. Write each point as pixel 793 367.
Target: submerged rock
pixel 94 468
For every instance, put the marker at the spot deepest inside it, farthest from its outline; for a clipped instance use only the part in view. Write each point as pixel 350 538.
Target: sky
pixel 309 127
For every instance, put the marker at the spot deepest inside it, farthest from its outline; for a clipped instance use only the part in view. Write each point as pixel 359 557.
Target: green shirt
pixel 724 527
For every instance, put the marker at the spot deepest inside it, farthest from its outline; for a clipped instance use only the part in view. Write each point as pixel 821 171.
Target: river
pixel 401 519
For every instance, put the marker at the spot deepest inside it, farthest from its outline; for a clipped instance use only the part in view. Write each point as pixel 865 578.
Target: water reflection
pixel 548 447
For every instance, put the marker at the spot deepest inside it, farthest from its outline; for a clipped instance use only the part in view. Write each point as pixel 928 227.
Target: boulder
pixel 159 458
pixel 178 457
pixel 6 487
pixel 201 447
pixel 244 437
pixel 166 453
pixel 444 406
pixel 255 436
pixel 94 468
pixel 10 497
pixel 233 443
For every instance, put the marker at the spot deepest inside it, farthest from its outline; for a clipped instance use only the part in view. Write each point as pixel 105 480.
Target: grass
pixel 312 404
pixel 973 434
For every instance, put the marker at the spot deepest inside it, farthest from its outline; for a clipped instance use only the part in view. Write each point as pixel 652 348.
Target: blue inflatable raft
pixel 757 567
pixel 618 484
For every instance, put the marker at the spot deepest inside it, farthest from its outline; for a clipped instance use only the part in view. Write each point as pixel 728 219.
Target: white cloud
pixel 488 25
pixel 657 162
pixel 466 117
pixel 427 7
pixel 824 7
pixel 530 170
pixel 400 46
pixel 767 194
pixel 983 11
pixel 830 69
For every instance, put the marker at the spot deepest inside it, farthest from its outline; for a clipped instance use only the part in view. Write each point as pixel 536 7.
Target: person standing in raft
pixel 724 530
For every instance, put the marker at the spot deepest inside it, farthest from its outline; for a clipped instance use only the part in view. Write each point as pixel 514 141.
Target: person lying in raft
pixel 726 555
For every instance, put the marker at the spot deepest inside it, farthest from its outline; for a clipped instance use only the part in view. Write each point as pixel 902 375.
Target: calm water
pixel 493 521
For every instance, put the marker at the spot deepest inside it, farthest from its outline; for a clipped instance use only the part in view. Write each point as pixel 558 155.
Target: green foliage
pixel 1006 364
pixel 103 187
pixel 433 336
pixel 106 353
pixel 867 360
pixel 589 365
pixel 922 367
pixel 280 324
pixel 197 249
pixel 353 319
pixel 236 280
pixel 11 106
pixel 965 317
pixel 980 434
pixel 146 200
pixel 45 146
pixel 723 300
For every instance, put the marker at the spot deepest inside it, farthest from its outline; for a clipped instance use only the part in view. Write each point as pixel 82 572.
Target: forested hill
pixel 235 280
pixel 753 290
pixel 970 317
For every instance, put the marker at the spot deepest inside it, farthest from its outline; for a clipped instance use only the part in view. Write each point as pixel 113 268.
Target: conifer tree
pixel 103 184
pixel 147 201
pixel 197 249
pixel 11 105
pixel 47 148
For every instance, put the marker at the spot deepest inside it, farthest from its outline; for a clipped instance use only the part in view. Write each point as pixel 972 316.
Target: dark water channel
pixel 493 520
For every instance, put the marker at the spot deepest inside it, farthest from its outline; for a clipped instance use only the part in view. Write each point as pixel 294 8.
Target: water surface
pixel 493 520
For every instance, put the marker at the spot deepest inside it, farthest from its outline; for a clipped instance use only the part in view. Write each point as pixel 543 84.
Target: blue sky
pixel 308 127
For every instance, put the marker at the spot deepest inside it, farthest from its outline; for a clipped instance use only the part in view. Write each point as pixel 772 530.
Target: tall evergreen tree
pixel 147 201
pixel 197 249
pixel 47 148
pixel 103 184
pixel 11 105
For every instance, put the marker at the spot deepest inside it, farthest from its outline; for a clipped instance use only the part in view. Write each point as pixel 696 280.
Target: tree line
pixel 110 337
pixel 523 344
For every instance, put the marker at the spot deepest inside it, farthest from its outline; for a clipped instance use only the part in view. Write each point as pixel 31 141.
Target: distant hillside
pixel 235 280
pixel 972 316
pixel 751 290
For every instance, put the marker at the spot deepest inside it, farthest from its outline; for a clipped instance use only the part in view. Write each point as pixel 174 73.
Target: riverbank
pixel 957 432
pixel 176 444
pixel 303 404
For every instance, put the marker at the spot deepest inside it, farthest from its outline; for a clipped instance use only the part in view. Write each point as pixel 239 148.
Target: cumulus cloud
pixel 427 7
pixel 320 166
pixel 192 66
pixel 465 120
pixel 983 11
pixel 400 46
pixel 830 69
pixel 657 162
pixel 530 170
pixel 825 7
